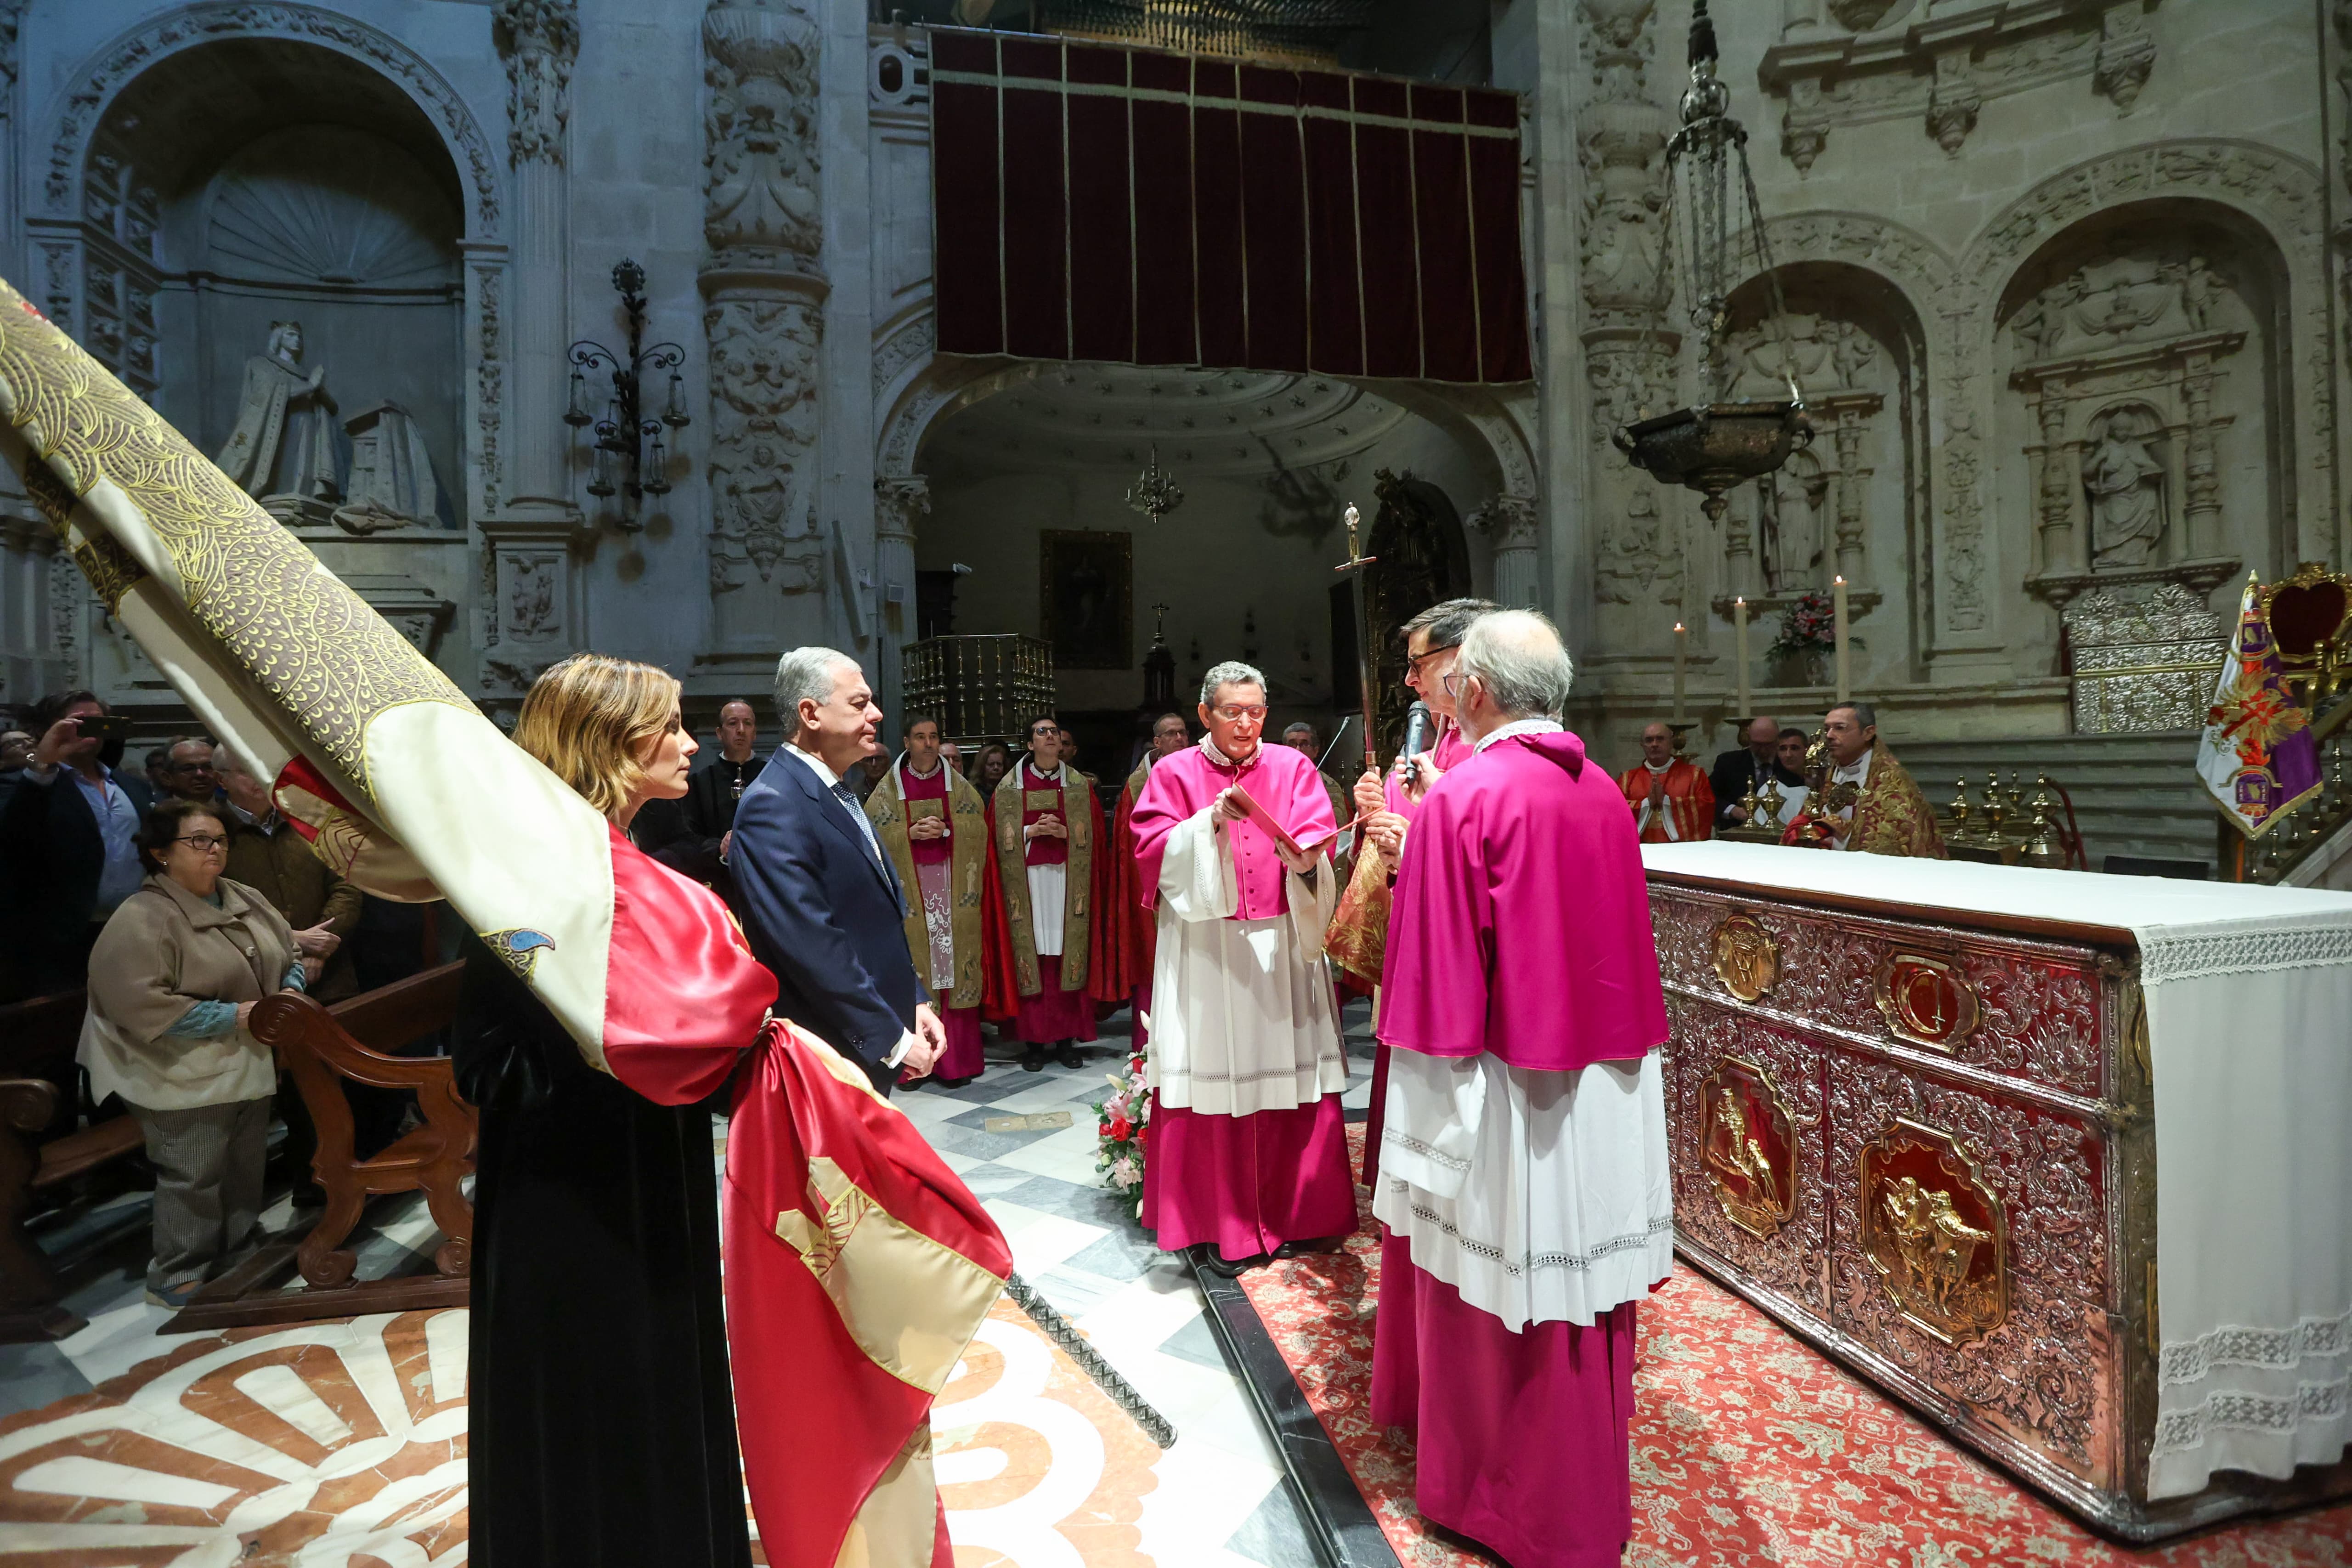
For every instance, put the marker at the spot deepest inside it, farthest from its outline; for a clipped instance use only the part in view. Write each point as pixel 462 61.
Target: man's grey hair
pixel 806 673
pixel 227 759
pixel 1233 672
pixel 1866 717
pixel 1516 657
pixel 1447 620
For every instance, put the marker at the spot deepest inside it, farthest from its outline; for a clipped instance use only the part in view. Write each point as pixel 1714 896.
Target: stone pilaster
pixel 899 504
pixel 1514 523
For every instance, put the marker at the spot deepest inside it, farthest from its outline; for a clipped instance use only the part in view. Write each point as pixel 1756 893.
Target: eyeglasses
pixel 1044 731
pixel 1452 681
pixel 203 843
pixel 1234 713
pixel 1414 661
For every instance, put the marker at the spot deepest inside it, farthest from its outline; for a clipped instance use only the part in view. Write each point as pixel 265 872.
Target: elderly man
pixel 1048 832
pixel 1749 766
pixel 277 863
pixel 1524 1194
pixel 1126 944
pixel 952 754
pixel 934 827
pixel 1868 803
pixel 827 910
pixel 188 770
pixel 1248 1146
pixel 1672 801
pixel 1303 738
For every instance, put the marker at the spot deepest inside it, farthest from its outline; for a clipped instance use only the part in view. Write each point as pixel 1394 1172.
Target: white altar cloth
pixel 2249 992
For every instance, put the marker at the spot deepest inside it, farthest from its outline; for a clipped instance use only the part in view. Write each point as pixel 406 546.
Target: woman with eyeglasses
pixel 172 984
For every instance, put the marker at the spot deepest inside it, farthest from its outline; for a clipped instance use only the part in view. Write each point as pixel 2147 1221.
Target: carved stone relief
pixel 539 40
pixel 760 154
pixel 763 379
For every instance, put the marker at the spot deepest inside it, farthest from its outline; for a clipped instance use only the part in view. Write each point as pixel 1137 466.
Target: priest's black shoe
pixel 1033 1059
pixel 956 1082
pixel 1231 1269
pixel 1071 1055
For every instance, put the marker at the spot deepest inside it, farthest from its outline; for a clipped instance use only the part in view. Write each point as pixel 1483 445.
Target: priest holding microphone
pixel 1232 842
pixel 1524 1195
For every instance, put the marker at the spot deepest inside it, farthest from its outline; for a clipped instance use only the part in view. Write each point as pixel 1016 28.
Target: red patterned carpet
pixel 1748 1449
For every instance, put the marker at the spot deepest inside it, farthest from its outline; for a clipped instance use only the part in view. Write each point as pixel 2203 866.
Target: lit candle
pixel 1845 674
pixel 1682 649
pixel 1739 624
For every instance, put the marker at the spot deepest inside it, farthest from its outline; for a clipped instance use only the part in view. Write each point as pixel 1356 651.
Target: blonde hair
pixel 589 717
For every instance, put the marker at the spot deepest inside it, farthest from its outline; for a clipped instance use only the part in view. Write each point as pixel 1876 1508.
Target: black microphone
pixel 1416 734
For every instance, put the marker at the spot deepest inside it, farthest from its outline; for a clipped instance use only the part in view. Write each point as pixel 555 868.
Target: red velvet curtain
pixel 1098 203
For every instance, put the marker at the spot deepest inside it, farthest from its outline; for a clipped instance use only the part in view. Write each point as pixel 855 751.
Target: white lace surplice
pixel 2249 990
pixel 1241 1016
pixel 1541 1196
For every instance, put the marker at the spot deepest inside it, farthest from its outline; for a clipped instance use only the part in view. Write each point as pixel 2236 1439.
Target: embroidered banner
pixel 1098 203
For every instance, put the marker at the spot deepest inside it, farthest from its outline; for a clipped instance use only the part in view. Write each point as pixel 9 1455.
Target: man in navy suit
pixel 824 911
pixel 67 855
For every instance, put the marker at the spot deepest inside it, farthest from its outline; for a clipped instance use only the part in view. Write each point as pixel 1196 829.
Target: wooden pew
pixel 41 1150
pixel 322 1046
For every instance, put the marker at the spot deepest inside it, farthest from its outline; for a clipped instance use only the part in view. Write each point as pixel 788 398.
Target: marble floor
pixel 366 1419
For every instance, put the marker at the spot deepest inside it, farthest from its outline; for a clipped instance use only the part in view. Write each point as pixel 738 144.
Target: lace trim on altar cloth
pixel 2166 957
pixel 1533 1261
pixel 2273 1350
pixel 2313 1403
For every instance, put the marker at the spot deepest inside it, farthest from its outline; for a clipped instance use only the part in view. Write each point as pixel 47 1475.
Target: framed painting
pixel 1085 598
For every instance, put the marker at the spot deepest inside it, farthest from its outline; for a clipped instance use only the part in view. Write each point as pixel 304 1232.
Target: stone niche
pixel 2140 411
pixel 1853 503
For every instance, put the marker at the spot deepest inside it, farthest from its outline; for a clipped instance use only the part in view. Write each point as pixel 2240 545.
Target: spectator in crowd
pixel 1070 756
pixel 1791 752
pixel 188 770
pixel 158 769
pixel 68 848
pixel 949 754
pixel 995 760
pixel 870 772
pixel 15 751
pixel 266 855
pixel 173 984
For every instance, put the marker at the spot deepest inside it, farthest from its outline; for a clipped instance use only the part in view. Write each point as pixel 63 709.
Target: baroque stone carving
pixel 763 379
pixel 489 381
pixel 760 156
pixel 539 40
pixel 1510 520
pixel 2143 667
pixel 284 450
pixel 899 500
pixel 1943 78
pixel 86 101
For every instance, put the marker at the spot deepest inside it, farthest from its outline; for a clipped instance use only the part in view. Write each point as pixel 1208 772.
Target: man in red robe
pixel 1048 828
pixel 1123 942
pixel 934 827
pixel 1671 799
pixel 1248 1150
pixel 1524 1193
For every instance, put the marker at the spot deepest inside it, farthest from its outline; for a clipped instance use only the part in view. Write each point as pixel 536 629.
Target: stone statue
pixel 284 451
pixel 2126 482
pixel 391 482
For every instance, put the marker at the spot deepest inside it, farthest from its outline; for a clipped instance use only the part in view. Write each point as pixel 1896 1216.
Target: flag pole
pixel 1353 568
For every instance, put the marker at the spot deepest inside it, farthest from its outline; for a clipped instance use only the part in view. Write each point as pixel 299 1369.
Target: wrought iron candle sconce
pixel 630 454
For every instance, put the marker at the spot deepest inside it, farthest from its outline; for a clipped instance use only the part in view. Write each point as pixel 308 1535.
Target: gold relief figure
pixel 1746 960
pixel 1746 1160
pixel 1938 1249
pixel 1743 1122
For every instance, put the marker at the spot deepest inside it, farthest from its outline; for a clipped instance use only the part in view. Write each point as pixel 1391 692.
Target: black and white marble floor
pixel 1219 1499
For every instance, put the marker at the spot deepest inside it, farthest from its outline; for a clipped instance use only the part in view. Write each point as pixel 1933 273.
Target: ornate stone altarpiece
pixel 1926 1146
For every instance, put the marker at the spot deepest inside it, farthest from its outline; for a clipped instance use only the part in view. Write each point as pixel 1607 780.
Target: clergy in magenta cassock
pixel 1524 1187
pixel 1248 1146
pixel 1360 931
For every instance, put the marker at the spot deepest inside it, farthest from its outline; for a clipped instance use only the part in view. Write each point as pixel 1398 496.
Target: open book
pixel 1274 831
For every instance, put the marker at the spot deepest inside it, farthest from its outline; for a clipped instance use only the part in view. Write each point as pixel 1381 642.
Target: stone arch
pixel 83 104
pixel 2267 191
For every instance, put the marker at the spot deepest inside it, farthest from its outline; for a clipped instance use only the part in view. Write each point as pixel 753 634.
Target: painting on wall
pixel 1086 593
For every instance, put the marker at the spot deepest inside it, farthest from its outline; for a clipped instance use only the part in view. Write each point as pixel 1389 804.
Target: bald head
pixel 1763 734
pixel 1657 743
pixel 1514 663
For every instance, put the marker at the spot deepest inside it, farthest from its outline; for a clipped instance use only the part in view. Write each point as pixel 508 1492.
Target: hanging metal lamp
pixel 1717 442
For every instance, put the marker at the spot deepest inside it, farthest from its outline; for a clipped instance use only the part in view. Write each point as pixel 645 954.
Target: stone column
pixel 763 317
pixel 2200 516
pixel 1851 481
pixel 1513 520
pixel 2061 549
pixel 534 598
pixel 899 503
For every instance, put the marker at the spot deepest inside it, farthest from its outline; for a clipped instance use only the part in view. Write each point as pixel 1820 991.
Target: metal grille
pixel 982 688
pixel 1312 28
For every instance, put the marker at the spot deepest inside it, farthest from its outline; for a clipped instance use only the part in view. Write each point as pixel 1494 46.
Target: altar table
pixel 2062 1160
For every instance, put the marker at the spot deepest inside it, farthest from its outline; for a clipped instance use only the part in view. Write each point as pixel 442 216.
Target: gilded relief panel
pixel 1967 1248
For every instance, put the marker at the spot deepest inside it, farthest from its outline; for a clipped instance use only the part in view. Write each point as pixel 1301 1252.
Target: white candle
pixel 1845 674
pixel 1682 649
pixel 1739 623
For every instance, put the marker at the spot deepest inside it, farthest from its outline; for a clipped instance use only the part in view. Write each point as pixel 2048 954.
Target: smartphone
pixel 105 726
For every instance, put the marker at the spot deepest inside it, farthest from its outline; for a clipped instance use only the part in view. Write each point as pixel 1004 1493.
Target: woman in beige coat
pixel 172 982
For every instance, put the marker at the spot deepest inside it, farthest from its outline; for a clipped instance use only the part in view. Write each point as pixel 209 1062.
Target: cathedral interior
pixel 692 332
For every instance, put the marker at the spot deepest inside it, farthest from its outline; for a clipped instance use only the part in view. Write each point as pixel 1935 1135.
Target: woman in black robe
pixel 603 1423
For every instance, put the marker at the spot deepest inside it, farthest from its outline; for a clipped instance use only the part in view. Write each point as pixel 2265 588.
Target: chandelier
pixel 1719 441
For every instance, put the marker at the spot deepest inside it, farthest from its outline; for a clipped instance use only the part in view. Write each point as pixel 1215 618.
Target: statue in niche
pixel 2124 478
pixel 284 451
pixel 391 482
pixel 1790 532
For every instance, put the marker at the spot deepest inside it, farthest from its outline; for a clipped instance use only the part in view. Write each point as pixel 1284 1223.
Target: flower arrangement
pixel 1123 1120
pixel 1809 623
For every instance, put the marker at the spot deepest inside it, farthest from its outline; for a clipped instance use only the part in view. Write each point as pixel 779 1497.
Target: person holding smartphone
pixel 68 843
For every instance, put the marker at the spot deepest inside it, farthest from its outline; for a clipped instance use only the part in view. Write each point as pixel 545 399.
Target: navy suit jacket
pixel 825 915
